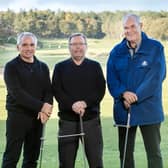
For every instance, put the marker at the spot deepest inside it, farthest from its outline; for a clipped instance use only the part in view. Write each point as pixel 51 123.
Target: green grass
pixel 111 159
pixel 98 50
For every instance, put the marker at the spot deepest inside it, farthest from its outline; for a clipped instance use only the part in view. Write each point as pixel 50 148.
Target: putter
pixel 42 145
pixel 127 126
pixel 82 141
pixel 81 135
pixel 126 137
pixel 73 135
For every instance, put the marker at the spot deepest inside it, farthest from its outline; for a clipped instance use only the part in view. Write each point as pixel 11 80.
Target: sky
pixel 84 5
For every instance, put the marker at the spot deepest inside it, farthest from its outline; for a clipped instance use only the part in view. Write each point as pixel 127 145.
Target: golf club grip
pixel 43 132
pixel 129 110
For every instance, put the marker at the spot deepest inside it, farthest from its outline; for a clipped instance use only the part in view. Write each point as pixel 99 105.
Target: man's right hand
pixel 43 117
pixel 47 109
pixel 130 97
pixel 79 107
pixel 126 104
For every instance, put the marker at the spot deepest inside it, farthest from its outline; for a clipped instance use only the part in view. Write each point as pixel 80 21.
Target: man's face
pixel 77 48
pixel 132 30
pixel 27 48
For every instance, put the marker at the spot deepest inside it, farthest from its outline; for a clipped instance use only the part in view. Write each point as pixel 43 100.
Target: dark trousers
pixel 22 130
pixel 93 143
pixel 151 137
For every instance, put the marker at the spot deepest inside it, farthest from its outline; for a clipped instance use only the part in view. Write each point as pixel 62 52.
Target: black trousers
pixel 151 137
pixel 22 131
pixel 68 147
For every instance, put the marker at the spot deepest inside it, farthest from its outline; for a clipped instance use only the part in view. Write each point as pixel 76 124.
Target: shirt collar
pixel 136 48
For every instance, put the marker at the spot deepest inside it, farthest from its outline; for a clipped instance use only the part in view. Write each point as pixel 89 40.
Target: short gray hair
pixel 75 35
pixel 26 34
pixel 130 15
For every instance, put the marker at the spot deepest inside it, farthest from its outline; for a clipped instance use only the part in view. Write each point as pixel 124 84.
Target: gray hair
pixel 75 35
pixel 26 34
pixel 129 15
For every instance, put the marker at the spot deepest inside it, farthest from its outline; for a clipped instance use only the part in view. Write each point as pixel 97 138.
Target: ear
pixel 17 47
pixel 141 25
pixel 86 46
pixel 69 46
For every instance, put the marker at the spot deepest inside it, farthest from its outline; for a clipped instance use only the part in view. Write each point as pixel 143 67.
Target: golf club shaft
pixel 120 125
pixel 42 145
pixel 70 135
pixel 82 140
pixel 126 138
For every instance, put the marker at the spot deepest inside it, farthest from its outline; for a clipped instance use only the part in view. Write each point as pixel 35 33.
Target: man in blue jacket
pixel 135 72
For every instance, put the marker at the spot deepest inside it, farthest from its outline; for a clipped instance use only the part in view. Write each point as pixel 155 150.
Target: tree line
pixel 60 24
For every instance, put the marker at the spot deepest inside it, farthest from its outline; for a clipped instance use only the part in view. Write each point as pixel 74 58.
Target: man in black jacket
pixel 79 86
pixel 29 103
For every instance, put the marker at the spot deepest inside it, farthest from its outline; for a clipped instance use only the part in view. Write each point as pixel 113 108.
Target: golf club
pixel 126 137
pixel 82 141
pixel 81 135
pixel 42 145
pixel 127 126
pixel 70 135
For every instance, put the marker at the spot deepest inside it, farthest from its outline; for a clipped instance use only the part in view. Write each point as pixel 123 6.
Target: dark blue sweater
pixel 73 83
pixel 28 86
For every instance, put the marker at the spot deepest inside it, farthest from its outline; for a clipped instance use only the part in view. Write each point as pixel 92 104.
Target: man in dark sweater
pixel 79 86
pixel 29 103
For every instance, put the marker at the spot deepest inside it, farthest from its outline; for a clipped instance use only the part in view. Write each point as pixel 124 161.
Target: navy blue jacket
pixel 142 75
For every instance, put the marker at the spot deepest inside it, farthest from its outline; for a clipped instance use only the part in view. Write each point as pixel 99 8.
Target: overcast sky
pixel 85 5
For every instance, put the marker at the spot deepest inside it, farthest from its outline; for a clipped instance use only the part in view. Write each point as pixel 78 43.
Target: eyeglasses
pixel 77 44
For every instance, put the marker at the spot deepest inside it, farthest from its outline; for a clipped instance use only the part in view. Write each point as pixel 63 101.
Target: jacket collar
pixel 123 48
